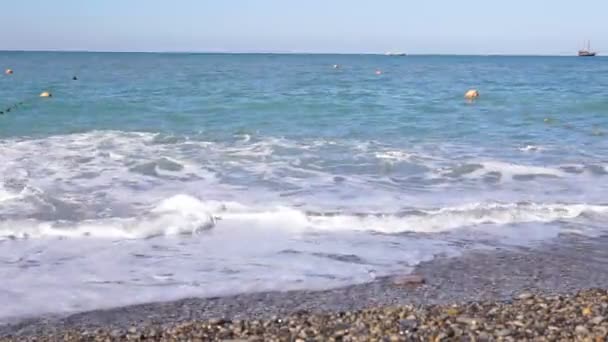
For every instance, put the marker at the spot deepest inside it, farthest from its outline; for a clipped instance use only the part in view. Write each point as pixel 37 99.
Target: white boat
pixel 586 52
pixel 396 54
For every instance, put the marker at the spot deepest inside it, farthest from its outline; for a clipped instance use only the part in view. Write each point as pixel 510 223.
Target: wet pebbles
pixel 580 317
pixel 502 295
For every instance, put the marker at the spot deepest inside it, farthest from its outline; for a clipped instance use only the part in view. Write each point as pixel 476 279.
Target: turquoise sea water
pixel 158 176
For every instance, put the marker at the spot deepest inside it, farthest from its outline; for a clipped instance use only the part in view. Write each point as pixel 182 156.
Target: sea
pixel 153 177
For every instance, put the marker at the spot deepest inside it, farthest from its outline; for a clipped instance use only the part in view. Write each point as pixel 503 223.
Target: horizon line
pixel 211 52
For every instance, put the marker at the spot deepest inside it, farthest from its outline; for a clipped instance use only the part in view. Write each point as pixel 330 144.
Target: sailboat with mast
pixel 586 52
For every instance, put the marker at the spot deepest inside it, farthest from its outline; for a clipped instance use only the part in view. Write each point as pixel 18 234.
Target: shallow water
pixel 159 176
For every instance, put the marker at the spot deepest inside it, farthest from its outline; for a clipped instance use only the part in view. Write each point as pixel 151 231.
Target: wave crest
pixel 183 214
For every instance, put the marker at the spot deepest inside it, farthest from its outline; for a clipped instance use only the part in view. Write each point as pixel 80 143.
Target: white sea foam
pixel 394 155
pixel 477 169
pixel 135 170
pixel 530 148
pixel 512 169
pixel 446 219
pixel 177 215
pixel 86 219
pixel 6 195
pixel 184 214
pixel 126 174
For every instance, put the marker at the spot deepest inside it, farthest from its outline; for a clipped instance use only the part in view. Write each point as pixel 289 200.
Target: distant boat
pixel 586 52
pixel 396 54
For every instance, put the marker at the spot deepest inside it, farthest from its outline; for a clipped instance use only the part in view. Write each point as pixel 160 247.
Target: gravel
pixel 567 318
pixel 553 290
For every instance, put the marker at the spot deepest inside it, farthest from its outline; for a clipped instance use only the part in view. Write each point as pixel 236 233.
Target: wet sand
pixel 564 266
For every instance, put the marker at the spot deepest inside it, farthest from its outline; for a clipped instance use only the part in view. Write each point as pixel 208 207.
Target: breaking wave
pixel 183 214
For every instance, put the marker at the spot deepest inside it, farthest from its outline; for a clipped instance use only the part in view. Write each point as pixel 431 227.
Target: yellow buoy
pixel 471 94
pixel 46 94
pixel 9 71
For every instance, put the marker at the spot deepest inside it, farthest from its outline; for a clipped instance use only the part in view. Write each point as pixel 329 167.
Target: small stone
pixel 493 311
pixel 132 330
pixel 597 320
pixel 442 317
pixel 395 338
pixel 214 321
pixel 503 332
pixel 408 324
pixel 587 311
pixel 467 320
pixel 441 337
pixel 518 324
pixel 524 296
pixel 483 336
pixel 452 311
pixel 340 333
pixel 409 280
pixel 581 330
pixel 601 331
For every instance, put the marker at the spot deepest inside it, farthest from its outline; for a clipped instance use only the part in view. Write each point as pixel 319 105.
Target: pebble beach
pixel 554 293
pixel 580 317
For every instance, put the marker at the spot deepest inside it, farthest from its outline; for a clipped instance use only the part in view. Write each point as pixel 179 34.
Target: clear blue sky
pixel 421 26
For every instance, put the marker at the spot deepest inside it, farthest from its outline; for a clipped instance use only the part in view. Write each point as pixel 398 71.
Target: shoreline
pixel 564 266
pixel 581 317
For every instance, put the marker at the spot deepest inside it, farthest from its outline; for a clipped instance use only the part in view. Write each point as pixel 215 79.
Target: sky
pixel 315 26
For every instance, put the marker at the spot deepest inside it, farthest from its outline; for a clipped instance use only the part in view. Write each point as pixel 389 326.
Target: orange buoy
pixel 471 94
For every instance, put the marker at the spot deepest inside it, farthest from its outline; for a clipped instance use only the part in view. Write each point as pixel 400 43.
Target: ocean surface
pixel 160 176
